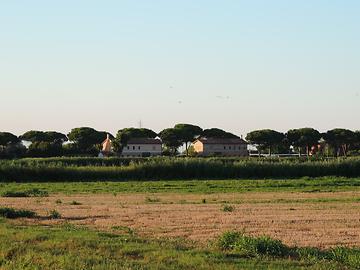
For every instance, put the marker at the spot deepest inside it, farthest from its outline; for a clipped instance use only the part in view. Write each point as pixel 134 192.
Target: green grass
pixel 33 192
pixel 324 184
pixel 116 169
pixel 68 247
pixel 254 247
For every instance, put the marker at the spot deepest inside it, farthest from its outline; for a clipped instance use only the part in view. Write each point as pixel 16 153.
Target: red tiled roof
pixel 222 141
pixel 144 141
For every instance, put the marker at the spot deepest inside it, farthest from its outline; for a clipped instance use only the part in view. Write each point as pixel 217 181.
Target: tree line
pixel 86 141
pixel 335 142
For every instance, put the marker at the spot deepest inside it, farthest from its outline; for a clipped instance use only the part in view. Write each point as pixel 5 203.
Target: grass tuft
pixel 228 208
pixel 54 214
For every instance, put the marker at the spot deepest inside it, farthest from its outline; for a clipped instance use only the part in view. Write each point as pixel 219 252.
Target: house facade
pixel 142 147
pixel 220 147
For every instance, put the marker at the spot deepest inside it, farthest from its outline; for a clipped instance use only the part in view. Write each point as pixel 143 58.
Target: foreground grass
pixel 324 184
pixel 69 247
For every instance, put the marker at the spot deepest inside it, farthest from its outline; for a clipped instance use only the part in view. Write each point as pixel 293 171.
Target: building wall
pixel 137 150
pixel 221 149
pixel 198 147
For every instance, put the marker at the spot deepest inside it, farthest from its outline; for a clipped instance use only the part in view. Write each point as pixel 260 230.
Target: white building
pixel 142 147
pixel 220 147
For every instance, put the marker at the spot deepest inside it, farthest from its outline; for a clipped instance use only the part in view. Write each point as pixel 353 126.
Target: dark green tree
pixel 340 139
pixel 187 134
pixel 171 138
pixel 265 139
pixel 87 140
pixel 45 149
pixel 10 146
pixel 7 138
pixel 303 138
pixel 124 135
pixel 218 133
pixel 56 137
pixel 41 136
pixel 34 136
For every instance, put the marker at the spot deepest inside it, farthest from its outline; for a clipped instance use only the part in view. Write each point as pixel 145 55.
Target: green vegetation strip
pixel 68 247
pixel 324 184
pixel 43 170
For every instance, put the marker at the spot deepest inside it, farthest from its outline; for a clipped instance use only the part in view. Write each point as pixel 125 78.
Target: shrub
pixel 228 240
pixel 252 246
pixel 54 214
pixel 13 213
pixel 93 169
pixel 58 201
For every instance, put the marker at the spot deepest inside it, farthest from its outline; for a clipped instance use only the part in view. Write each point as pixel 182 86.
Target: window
pixel 128 147
pixel 224 147
pixel 154 147
pixel 139 147
pixel 133 147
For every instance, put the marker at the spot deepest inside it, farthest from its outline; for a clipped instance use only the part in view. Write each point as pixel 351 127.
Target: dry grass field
pixel 318 219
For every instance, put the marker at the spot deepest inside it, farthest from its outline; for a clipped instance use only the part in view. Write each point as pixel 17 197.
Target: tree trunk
pixel 344 148
pixel 270 151
pixel 187 149
pixel 299 151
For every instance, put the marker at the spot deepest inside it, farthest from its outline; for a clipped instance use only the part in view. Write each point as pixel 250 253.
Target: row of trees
pixel 86 141
pixel 306 140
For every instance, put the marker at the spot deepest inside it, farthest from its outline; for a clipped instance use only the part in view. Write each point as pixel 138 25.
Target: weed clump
pixel 252 246
pixel 152 200
pixel 35 192
pixel 228 208
pixel 54 214
pixel 14 213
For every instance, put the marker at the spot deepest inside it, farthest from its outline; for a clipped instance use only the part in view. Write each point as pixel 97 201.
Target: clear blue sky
pixel 237 65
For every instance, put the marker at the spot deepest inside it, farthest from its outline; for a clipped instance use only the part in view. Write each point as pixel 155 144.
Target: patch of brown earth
pixel 295 218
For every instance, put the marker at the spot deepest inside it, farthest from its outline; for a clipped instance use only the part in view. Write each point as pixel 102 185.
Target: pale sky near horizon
pixel 236 65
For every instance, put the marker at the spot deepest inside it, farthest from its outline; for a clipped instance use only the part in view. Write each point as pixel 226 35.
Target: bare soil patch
pixel 295 218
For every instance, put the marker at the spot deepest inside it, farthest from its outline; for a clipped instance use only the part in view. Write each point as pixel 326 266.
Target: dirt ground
pixel 304 219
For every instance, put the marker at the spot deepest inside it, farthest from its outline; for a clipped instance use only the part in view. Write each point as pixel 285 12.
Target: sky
pixel 237 65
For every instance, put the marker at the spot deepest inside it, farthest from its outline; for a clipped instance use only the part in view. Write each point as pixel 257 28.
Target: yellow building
pixel 220 147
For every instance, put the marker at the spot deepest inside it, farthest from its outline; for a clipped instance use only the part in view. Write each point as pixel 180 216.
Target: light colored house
pixel 220 147
pixel 106 147
pixel 142 147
